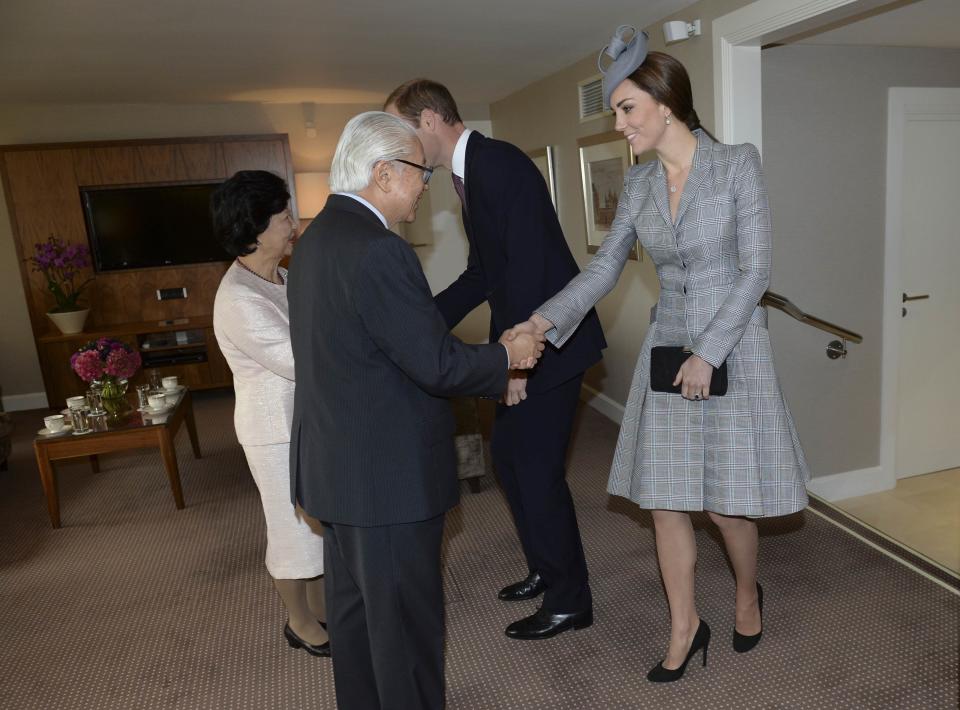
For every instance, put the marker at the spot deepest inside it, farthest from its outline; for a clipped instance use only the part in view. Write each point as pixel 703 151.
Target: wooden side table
pixel 137 431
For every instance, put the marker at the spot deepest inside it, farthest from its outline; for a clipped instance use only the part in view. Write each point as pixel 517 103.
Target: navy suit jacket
pixel 372 435
pixel 518 257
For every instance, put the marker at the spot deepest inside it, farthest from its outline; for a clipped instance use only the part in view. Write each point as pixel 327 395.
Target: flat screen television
pixel 150 226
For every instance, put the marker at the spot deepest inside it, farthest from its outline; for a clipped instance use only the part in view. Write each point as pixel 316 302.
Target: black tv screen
pixel 144 227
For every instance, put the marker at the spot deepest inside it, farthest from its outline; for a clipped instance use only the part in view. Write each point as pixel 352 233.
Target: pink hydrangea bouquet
pixel 60 264
pixel 105 360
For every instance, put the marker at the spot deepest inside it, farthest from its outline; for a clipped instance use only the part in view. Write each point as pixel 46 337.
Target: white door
pixel 928 392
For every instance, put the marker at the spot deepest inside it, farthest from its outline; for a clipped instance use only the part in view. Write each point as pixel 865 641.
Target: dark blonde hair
pixel 415 95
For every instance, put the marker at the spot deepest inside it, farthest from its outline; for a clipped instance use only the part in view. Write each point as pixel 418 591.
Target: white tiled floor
pixel 922 512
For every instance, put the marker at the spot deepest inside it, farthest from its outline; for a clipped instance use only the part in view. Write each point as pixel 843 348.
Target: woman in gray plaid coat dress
pixel 700 211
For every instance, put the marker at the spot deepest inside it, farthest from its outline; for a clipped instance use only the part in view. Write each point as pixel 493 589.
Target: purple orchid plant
pixel 61 263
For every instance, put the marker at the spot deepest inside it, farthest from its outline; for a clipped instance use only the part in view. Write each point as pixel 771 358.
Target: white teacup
pixel 54 422
pixel 157 401
pixel 78 402
pixel 169 383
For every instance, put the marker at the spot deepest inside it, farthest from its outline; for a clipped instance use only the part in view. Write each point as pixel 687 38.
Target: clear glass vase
pixel 113 395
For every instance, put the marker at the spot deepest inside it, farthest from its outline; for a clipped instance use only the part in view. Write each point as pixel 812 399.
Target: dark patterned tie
pixel 458 186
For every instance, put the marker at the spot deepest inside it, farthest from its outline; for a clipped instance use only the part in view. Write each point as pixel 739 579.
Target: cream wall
pixel 44 123
pixel 546 113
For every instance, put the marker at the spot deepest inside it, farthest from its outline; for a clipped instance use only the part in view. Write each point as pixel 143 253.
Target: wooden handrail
pixel 781 303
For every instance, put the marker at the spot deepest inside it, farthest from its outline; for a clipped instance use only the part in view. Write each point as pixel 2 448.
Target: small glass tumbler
pixel 81 424
pixel 156 380
pixel 98 420
pixel 95 400
pixel 143 392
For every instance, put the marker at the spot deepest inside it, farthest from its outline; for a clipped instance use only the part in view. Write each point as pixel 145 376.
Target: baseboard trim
pixel 30 400
pixel 610 408
pixel 848 484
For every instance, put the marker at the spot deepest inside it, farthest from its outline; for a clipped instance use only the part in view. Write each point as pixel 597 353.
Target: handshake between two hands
pixel 524 343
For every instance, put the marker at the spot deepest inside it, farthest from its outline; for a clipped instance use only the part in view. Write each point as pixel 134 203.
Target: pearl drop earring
pixel 668 121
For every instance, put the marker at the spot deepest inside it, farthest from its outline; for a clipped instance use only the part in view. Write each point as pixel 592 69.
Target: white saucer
pixel 173 390
pixel 67 428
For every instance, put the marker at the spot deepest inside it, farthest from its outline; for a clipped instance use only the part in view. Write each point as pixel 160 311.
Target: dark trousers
pixel 384 595
pixel 529 450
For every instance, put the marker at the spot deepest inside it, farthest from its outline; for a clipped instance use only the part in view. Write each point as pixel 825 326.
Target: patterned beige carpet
pixel 133 604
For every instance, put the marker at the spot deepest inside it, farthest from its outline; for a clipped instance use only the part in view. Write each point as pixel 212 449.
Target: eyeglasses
pixel 427 172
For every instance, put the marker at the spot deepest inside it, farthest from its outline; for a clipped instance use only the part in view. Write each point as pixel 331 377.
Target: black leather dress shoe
pixel 545 624
pixel 297 642
pixel 529 588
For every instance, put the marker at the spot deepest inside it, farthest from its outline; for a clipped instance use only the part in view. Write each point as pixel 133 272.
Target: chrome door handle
pixel 921 297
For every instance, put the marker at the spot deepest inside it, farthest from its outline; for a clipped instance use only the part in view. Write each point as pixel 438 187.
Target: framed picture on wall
pixel 543 159
pixel 604 161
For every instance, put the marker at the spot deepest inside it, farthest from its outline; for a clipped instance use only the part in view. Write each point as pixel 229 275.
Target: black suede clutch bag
pixel 665 362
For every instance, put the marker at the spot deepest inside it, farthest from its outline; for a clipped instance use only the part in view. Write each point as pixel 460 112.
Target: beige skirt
pixel 294 539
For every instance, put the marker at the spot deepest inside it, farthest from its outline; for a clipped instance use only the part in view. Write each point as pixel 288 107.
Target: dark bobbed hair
pixel 241 208
pixel 667 81
pixel 415 95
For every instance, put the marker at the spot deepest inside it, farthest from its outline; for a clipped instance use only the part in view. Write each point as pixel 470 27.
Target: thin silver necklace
pixel 264 278
pixel 674 187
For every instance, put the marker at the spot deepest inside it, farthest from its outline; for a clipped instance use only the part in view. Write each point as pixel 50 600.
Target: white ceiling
pixel 332 51
pixel 926 23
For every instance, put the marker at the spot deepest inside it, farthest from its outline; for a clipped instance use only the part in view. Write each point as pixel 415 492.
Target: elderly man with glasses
pixel 372 453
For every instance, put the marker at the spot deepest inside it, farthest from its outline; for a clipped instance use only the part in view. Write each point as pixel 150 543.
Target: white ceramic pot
pixel 70 321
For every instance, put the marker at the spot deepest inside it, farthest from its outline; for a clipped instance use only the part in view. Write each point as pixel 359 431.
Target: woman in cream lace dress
pixel 252 219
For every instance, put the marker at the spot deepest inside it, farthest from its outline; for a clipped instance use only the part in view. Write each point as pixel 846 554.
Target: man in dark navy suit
pixel 371 451
pixel 518 258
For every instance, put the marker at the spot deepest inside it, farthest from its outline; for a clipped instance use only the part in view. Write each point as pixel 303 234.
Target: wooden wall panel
pixel 108 165
pixel 150 163
pixel 45 201
pixel 43 192
pixel 202 161
pixel 130 296
pixel 160 163
pixel 255 155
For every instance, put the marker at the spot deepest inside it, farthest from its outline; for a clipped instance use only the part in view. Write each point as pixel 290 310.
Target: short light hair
pixel 412 97
pixel 367 139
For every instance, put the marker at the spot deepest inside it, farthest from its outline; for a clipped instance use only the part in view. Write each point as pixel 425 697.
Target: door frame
pixel 737 39
pixel 738 116
pixel 903 104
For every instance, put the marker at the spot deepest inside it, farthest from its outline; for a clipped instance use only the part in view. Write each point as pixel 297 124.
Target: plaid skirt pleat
pixel 738 454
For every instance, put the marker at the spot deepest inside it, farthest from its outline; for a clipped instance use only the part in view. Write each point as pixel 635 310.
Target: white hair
pixel 367 139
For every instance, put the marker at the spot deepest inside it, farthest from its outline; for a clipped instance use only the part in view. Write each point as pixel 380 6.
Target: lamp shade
pixel 312 192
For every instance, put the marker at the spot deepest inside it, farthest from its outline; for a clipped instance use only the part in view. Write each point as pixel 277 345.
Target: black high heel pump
pixel 701 639
pixel 742 643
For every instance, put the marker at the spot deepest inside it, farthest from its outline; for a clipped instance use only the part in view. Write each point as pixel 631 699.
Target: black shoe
pixel 741 643
pixel 530 588
pixel 701 639
pixel 297 642
pixel 545 624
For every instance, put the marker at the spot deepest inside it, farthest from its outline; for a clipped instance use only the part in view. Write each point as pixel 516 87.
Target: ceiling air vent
pixel 591 98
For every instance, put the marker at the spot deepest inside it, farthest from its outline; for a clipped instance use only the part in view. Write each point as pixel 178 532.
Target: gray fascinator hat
pixel 626 56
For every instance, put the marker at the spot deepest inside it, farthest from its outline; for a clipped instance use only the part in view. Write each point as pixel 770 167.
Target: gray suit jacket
pixel 738 454
pixel 372 440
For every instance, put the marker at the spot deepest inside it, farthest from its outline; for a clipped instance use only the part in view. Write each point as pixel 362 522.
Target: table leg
pixel 49 480
pixel 169 454
pixel 95 463
pixel 192 429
